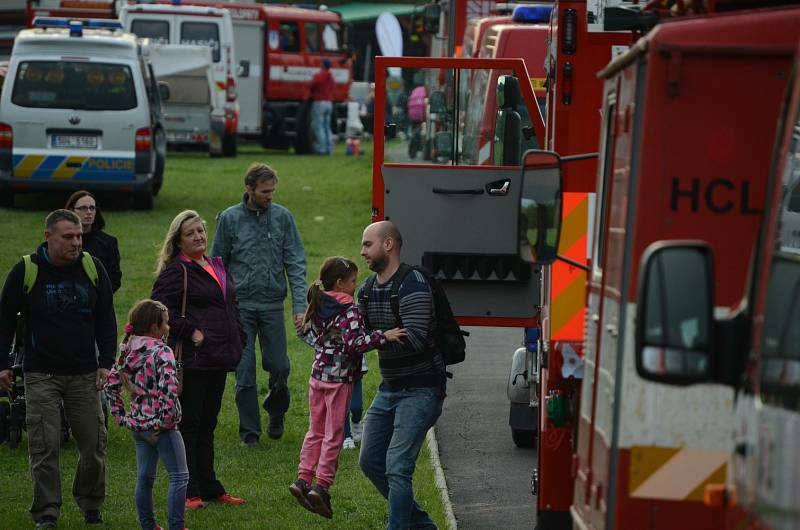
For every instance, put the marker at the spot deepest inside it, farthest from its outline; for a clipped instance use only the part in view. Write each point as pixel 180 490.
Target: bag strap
pixel 394 294
pixel 90 268
pixel 31 271
pixel 179 344
pixel 364 298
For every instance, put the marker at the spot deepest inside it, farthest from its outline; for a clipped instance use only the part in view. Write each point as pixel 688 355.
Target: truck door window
pixel 331 38
pixel 312 37
pixel 780 370
pixel 202 34
pixel 606 164
pixel 155 30
pixel 290 37
pixel 448 116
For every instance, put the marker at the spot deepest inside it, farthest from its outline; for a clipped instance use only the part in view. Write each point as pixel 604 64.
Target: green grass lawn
pixel 330 199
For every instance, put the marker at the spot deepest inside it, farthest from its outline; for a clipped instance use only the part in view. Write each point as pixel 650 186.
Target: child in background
pixel 146 369
pixel 335 328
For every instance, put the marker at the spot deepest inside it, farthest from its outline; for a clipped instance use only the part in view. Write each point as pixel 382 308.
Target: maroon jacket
pixel 322 85
pixel 207 309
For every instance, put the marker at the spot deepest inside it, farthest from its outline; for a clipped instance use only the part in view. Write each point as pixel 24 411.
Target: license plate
pixel 73 141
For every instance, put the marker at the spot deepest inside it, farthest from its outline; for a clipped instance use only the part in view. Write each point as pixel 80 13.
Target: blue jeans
pixel 356 407
pixel 394 429
pixel 269 327
pixel 168 446
pixel 321 125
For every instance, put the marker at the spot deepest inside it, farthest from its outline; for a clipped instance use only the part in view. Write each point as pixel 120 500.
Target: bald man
pixel 409 399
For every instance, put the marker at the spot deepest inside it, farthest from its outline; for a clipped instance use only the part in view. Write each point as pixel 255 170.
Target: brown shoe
pixel 320 499
pixel 300 489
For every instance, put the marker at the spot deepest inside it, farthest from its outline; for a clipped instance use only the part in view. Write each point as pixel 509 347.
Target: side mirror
pixel 674 314
pixel 431 14
pixel 540 207
pixel 243 69
pixel 163 90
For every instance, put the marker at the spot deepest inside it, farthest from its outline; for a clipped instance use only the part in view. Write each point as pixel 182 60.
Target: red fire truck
pixel 755 351
pixel 279 48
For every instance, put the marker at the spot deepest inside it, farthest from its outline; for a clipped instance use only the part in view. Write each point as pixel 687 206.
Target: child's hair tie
pixel 318 283
pixel 128 328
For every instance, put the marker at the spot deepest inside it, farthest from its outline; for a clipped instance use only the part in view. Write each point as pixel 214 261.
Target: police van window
pixel 290 37
pixel 74 85
pixel 312 37
pixel 155 30
pixel 202 34
pixel 330 38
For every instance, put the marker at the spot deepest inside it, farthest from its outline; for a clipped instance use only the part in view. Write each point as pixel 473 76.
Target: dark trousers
pixel 201 400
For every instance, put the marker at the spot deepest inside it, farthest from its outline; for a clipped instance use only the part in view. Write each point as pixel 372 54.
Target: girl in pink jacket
pixel 146 368
pixel 335 328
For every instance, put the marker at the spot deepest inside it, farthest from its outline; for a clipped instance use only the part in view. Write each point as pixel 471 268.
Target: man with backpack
pixel 65 299
pixel 409 399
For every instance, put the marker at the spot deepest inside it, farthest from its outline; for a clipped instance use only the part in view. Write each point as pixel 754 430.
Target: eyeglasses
pixel 86 208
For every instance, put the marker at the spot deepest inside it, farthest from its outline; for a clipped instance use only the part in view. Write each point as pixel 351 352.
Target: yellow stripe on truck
pixel 677 474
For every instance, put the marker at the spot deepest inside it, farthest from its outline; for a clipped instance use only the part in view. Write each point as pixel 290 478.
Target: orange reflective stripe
pixel 567 282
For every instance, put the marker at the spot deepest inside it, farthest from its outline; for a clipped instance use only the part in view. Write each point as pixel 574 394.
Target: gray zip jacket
pixel 261 248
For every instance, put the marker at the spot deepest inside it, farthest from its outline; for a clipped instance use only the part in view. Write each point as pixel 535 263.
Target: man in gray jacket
pixel 259 242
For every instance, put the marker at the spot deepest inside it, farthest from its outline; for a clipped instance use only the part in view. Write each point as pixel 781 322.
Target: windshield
pixel 74 85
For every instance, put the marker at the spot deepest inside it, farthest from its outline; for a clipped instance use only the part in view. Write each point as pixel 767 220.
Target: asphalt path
pixel 488 477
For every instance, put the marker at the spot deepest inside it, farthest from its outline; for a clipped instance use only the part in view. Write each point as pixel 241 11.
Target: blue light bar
pixel 532 14
pixel 76 25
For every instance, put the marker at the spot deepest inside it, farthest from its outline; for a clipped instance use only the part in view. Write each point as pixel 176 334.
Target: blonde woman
pixel 210 334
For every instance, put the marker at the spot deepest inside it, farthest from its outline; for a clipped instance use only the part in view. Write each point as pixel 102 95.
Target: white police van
pixel 80 109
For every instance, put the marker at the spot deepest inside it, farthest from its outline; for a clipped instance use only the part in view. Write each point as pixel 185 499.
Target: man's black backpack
pixel 448 337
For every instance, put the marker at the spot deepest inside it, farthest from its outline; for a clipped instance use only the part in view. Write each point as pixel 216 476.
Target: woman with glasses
pixel 96 242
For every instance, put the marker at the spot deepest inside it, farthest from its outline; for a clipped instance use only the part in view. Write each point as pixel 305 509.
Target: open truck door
pixel 484 230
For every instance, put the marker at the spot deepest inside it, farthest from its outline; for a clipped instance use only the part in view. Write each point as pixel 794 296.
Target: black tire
pixel 229 148
pixel 6 199
pixel 14 436
pixel 524 439
pixel 5 417
pixel 143 200
pixel 304 142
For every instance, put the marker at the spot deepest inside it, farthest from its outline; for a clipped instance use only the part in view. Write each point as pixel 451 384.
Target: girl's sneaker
pixel 348 443
pixel 357 429
pixel 299 490
pixel 320 499
pixel 227 498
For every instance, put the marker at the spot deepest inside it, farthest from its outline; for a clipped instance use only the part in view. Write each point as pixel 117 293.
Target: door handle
pixel 612 330
pixel 446 191
pixel 500 190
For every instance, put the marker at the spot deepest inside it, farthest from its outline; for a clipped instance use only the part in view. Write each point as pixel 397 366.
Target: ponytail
pixel 332 269
pixel 314 298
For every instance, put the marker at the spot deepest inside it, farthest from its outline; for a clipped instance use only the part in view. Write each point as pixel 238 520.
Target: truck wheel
pixel 7 199
pixel 143 200
pixel 524 439
pixel 229 145
pixel 304 142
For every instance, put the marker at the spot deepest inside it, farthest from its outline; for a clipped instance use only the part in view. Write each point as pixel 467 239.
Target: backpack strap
pixel 364 298
pixel 90 268
pixel 31 271
pixel 394 294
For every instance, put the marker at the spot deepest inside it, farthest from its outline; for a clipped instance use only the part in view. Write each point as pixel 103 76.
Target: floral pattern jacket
pixel 149 366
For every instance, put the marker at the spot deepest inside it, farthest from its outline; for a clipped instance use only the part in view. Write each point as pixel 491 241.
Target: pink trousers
pixel 327 408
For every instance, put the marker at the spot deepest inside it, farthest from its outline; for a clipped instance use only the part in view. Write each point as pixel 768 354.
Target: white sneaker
pixel 357 429
pixel 348 443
